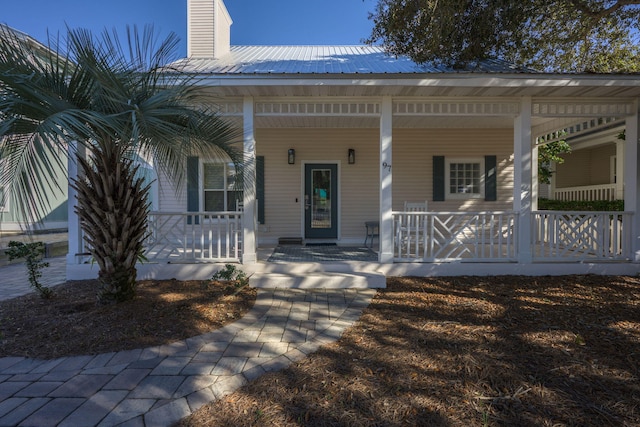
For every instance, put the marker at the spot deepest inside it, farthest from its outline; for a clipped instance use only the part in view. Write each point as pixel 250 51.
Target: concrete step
pixel 324 280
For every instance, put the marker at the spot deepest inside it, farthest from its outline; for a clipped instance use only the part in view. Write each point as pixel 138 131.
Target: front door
pixel 321 201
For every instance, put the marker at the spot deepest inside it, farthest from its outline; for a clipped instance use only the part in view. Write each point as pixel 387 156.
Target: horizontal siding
pixel 585 167
pixel 201 34
pixel 600 166
pixel 413 151
pixel 358 183
pixel 170 198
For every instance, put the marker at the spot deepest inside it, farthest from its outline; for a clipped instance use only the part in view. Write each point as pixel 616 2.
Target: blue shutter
pixel 438 178
pixel 490 179
pixel 193 193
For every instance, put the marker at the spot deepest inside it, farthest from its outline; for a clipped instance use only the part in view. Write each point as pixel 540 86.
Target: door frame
pixel 338 197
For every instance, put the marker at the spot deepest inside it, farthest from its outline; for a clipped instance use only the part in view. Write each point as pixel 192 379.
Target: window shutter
pixel 490 179
pixel 193 193
pixel 260 187
pixel 438 178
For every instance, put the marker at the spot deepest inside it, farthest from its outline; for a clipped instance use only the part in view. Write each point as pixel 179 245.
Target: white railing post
pixel 632 178
pixel 619 192
pixel 249 253
pixel 386 237
pixel 522 180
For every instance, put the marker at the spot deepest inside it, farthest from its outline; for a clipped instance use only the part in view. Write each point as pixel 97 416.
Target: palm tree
pixel 119 104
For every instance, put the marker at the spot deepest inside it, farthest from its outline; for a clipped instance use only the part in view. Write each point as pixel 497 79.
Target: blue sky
pixel 255 22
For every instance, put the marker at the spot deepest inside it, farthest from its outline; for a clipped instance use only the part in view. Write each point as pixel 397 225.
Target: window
pixel 465 178
pixel 220 187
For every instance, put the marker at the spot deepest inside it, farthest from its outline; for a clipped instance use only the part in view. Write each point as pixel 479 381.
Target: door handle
pixel 307 204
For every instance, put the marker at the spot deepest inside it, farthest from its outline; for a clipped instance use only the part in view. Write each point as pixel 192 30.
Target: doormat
pixel 320 244
pixel 292 253
pixel 290 241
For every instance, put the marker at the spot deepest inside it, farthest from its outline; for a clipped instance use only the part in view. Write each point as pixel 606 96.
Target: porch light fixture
pixel 291 156
pixel 351 156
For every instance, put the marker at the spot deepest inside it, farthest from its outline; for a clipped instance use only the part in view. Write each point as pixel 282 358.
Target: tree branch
pixel 599 14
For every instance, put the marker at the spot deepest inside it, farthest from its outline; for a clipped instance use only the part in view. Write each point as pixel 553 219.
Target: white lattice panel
pixel 581 236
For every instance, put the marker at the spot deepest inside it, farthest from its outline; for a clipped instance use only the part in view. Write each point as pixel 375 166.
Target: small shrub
pixel 233 275
pixel 33 254
pixel 575 205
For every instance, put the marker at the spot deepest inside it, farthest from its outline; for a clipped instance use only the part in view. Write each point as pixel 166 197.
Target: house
pixel 337 136
pixel 54 217
pixel 591 170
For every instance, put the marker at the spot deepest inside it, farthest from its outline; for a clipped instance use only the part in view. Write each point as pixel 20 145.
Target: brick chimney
pixel 208 29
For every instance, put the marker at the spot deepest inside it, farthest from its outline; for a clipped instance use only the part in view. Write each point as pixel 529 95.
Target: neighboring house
pixel 593 170
pixel 336 136
pixel 55 218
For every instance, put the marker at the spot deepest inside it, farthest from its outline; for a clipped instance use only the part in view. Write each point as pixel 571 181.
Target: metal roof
pixel 327 60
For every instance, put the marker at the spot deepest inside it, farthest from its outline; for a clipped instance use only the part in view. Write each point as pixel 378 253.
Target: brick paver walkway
pixel 160 385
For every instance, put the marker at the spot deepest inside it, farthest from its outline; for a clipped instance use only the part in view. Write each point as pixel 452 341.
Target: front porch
pixel 426 237
pixel 481 224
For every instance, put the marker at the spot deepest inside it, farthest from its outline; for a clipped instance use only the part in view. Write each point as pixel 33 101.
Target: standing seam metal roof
pixel 327 60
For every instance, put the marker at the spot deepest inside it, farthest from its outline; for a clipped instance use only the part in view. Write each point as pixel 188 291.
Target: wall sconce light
pixel 291 156
pixel 351 156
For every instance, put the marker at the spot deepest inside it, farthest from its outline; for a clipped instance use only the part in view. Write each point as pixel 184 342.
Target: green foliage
pixel 548 153
pixel 33 254
pixel 574 205
pixel 120 103
pixel 231 274
pixel 549 35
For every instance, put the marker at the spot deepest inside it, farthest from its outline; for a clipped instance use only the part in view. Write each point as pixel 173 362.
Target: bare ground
pixel 71 323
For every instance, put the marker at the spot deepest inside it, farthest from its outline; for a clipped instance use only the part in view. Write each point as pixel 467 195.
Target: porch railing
pixel 586 193
pixel 194 236
pixel 581 236
pixel 448 236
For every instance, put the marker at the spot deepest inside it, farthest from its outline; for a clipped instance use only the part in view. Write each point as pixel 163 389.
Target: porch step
pixel 320 280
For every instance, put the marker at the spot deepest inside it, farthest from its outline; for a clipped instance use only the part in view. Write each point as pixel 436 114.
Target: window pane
pixel 464 178
pixel 234 199
pixel 214 176
pixel 214 201
pixel 231 177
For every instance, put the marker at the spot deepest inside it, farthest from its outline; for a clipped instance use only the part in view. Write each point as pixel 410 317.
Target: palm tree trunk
pixel 112 207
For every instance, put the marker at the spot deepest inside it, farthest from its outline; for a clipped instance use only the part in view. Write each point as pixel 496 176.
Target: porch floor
pixel 299 253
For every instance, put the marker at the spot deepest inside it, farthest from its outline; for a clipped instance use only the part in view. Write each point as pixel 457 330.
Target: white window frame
pixel 225 188
pixel 447 172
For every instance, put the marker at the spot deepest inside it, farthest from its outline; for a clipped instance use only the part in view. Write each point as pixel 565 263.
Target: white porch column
pixel 249 254
pixel 535 185
pixel 552 185
pixel 522 179
pixel 386 208
pixel 619 170
pixel 632 179
pixel 74 231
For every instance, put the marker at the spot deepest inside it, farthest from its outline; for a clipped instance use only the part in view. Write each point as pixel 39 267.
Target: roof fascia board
pixel 509 81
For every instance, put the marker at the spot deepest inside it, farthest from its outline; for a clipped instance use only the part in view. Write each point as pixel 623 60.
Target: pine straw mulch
pixel 71 323
pixel 498 351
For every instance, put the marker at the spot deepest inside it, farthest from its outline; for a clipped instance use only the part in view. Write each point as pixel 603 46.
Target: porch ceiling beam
pixel 321 108
pixel 456 108
pixel 582 108
pixel 577 129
